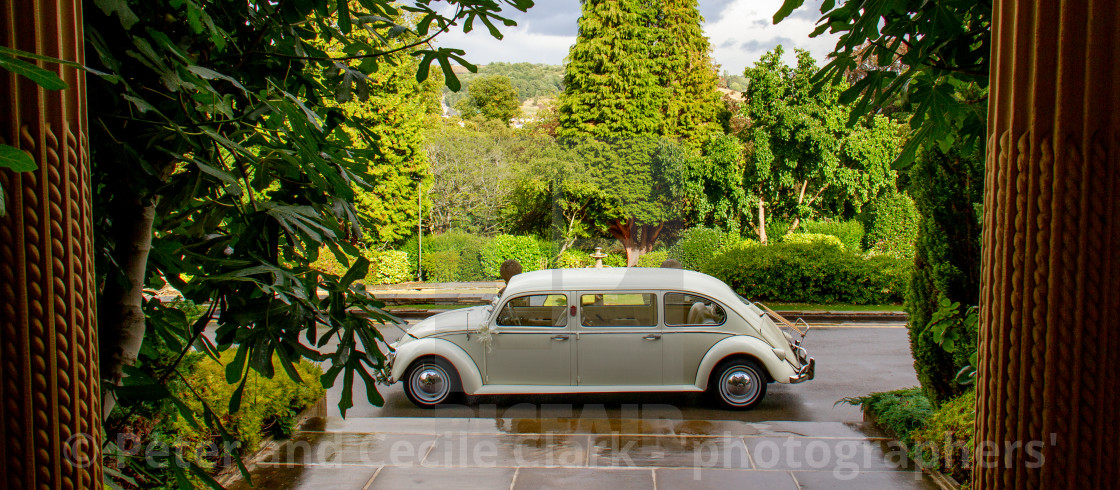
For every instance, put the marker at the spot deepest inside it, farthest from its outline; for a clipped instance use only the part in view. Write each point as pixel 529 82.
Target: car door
pixel 531 343
pixel 693 324
pixel 619 341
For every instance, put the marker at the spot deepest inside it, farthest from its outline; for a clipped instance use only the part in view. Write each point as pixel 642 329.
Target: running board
pixel 551 390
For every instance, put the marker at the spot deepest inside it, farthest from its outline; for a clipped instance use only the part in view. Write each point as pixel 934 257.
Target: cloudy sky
pixel 740 31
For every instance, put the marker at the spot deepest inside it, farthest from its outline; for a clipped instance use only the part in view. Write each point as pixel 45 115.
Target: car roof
pixel 619 278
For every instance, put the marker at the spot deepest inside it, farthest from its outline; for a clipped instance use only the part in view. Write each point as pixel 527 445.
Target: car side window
pixel 535 310
pixel 690 310
pixel 618 310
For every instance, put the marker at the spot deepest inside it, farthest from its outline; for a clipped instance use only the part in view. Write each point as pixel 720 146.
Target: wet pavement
pixel 797 438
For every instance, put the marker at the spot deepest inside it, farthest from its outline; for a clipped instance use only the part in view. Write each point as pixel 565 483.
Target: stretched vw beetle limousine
pixel 602 330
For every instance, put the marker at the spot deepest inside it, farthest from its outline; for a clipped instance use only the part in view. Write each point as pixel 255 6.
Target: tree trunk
pixel 761 221
pixel 121 313
pixel 635 246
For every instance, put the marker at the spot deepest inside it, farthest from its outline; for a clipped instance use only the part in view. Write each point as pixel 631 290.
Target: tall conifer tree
pixel 611 85
pixel 692 103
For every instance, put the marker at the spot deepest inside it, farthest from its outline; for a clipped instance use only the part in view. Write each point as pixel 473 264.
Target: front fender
pixel 406 354
pixel 751 346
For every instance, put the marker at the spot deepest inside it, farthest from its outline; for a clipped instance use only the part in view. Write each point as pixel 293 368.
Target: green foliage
pixel 217 118
pixel 269 406
pixel 696 246
pixel 451 256
pixel 802 160
pixel 653 259
pixel 524 249
pixel 948 440
pixel 947 190
pixel 442 266
pixel 707 186
pixel 934 55
pixel 892 224
pixel 491 97
pixel 388 267
pixel 830 240
pixel 471 167
pixel 639 69
pixel 903 411
pixel 574 259
pixel 849 232
pixel 810 273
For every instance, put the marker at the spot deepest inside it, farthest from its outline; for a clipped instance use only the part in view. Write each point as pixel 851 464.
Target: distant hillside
pixel 532 80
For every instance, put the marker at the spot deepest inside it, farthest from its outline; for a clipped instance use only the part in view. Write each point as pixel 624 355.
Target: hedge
pixel 892 224
pixel 813 238
pixel 811 273
pixel 849 232
pixel 697 246
pixel 653 259
pixel 524 249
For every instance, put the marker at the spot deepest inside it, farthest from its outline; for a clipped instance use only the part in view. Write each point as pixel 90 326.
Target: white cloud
pixel 519 44
pixel 740 31
pixel 744 32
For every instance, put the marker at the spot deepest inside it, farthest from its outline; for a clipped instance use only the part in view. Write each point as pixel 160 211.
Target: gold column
pixel 50 417
pixel 1050 284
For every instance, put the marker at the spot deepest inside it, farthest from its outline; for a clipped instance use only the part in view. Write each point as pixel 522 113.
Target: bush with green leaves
pixel 388 267
pixel 891 220
pixel 902 412
pixel 952 427
pixel 813 238
pixel 697 246
pixel 574 259
pixel 653 259
pixel 524 249
pixel 849 232
pixel 442 266
pixel 268 406
pixel 811 273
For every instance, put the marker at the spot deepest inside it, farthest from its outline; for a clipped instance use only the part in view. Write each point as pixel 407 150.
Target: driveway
pixel 799 437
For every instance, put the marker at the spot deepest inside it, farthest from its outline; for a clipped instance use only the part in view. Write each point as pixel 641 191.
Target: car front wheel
pixel 739 384
pixel 431 381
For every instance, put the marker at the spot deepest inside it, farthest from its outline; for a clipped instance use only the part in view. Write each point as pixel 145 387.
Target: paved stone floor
pixel 612 453
pixel 798 438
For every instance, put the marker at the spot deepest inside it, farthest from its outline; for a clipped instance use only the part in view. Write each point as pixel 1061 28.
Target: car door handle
pixel 652 336
pixel 559 337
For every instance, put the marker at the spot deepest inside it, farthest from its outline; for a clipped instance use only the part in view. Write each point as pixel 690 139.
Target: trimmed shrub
pixel 849 232
pixel 470 265
pixel 387 267
pixel 614 258
pixel 891 219
pixel 811 273
pixel 574 259
pixel 697 246
pixel 949 437
pixel 441 266
pixel 523 249
pixel 653 259
pixel 813 238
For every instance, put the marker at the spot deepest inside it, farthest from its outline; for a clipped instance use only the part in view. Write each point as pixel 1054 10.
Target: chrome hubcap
pixel 739 386
pixel 429 384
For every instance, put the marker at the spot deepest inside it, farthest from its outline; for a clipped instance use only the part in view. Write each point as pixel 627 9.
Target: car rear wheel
pixel 738 384
pixel 431 381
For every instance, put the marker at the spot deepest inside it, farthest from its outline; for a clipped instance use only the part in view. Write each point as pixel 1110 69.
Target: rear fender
pixel 749 346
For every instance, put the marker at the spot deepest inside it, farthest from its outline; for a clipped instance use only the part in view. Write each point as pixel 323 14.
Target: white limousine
pixel 602 330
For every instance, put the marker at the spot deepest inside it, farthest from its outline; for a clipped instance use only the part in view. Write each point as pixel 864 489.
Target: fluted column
pixel 50 417
pixel 1048 398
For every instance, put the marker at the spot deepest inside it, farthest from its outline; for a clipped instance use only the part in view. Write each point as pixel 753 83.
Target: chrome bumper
pixel 807 372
